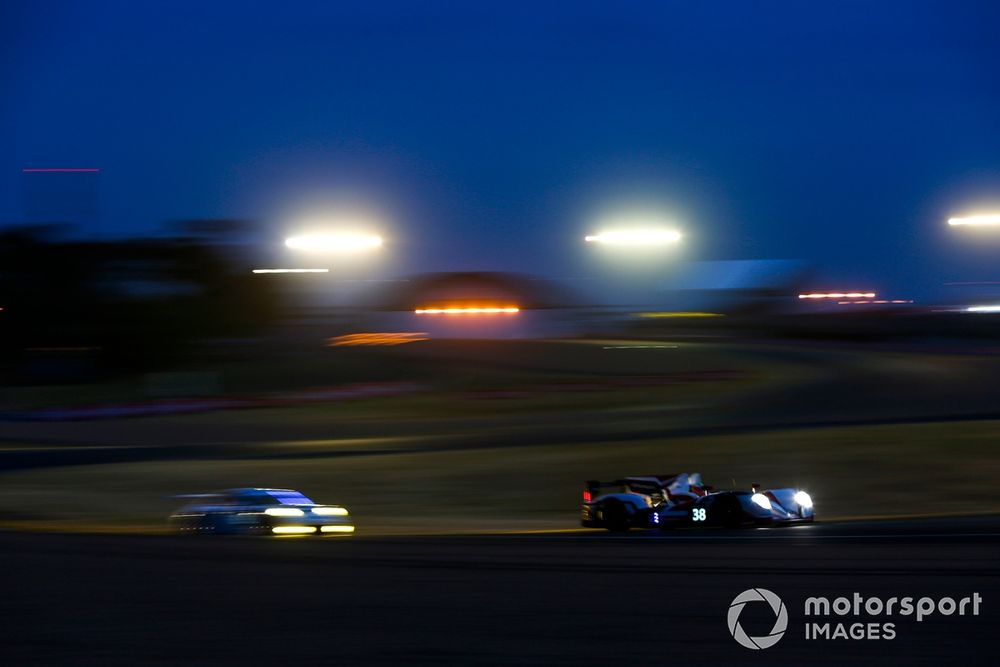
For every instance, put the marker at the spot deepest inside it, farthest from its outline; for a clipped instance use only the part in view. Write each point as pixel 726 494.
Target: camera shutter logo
pixel 780 618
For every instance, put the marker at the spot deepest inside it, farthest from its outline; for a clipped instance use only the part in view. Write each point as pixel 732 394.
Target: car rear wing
pixel 593 487
pixel 652 485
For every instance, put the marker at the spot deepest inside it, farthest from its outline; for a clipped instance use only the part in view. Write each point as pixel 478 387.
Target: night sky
pixel 489 135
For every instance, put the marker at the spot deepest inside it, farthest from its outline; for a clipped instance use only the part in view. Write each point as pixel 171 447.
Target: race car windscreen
pixel 285 498
pixel 644 488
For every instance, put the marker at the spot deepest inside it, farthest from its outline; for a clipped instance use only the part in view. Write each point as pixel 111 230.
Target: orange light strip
pixel 387 338
pixel 508 310
pixel 838 295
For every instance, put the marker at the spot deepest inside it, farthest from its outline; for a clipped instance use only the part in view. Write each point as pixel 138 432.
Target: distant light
pixel 291 270
pixel 653 315
pixel 509 310
pixel 334 242
pixel 976 220
pixel 635 237
pixel 62 170
pixel 983 309
pixel 293 530
pixel 838 295
pixel 387 338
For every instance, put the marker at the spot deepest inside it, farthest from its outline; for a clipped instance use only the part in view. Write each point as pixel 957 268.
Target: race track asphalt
pixel 557 598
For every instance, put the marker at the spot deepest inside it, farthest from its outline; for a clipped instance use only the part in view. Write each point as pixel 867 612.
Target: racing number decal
pixel 699 514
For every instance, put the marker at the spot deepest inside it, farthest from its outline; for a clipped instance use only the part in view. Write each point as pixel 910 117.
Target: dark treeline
pixel 120 305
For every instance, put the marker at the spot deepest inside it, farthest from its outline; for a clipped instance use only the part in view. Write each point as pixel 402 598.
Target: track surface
pixel 545 599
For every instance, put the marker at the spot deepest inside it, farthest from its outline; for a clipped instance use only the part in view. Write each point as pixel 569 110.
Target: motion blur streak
pixel 291 270
pixel 637 237
pixel 983 309
pixel 838 295
pixel 654 315
pixel 387 338
pixel 639 347
pixel 293 530
pixel 976 221
pixel 467 311
pixel 330 511
pixel 62 170
pixel 879 301
pixel 334 242
pixel 337 529
pixel 283 511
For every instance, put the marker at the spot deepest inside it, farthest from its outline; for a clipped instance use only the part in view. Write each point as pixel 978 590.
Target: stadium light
pixel 989 220
pixel 348 242
pixel 635 237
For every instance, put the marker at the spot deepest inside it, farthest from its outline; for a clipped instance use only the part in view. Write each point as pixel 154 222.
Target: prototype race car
pixel 669 501
pixel 259 512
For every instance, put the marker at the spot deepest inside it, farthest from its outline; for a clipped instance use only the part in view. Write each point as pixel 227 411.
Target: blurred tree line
pixel 120 304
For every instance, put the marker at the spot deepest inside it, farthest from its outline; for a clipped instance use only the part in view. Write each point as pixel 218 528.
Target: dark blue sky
pixel 843 133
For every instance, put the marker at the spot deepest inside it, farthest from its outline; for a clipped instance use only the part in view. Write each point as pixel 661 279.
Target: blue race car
pixel 682 500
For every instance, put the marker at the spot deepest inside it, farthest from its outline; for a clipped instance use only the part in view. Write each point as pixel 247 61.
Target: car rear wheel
pixel 616 516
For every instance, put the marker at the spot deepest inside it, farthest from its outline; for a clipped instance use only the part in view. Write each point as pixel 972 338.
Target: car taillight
pixel 586 496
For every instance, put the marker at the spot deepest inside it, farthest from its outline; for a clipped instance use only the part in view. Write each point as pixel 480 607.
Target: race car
pixel 682 500
pixel 255 511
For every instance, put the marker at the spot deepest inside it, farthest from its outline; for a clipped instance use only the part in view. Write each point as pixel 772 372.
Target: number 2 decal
pixel 698 514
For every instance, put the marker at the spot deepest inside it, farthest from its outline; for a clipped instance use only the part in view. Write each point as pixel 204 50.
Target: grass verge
pixel 850 471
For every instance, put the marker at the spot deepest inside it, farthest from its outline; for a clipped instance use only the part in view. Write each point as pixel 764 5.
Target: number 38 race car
pixel 672 501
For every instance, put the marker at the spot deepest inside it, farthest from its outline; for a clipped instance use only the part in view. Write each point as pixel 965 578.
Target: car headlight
pixel 283 511
pixel 804 500
pixel 329 511
pixel 761 500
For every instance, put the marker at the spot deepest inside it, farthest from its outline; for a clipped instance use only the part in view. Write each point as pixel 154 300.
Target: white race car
pixel 259 512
